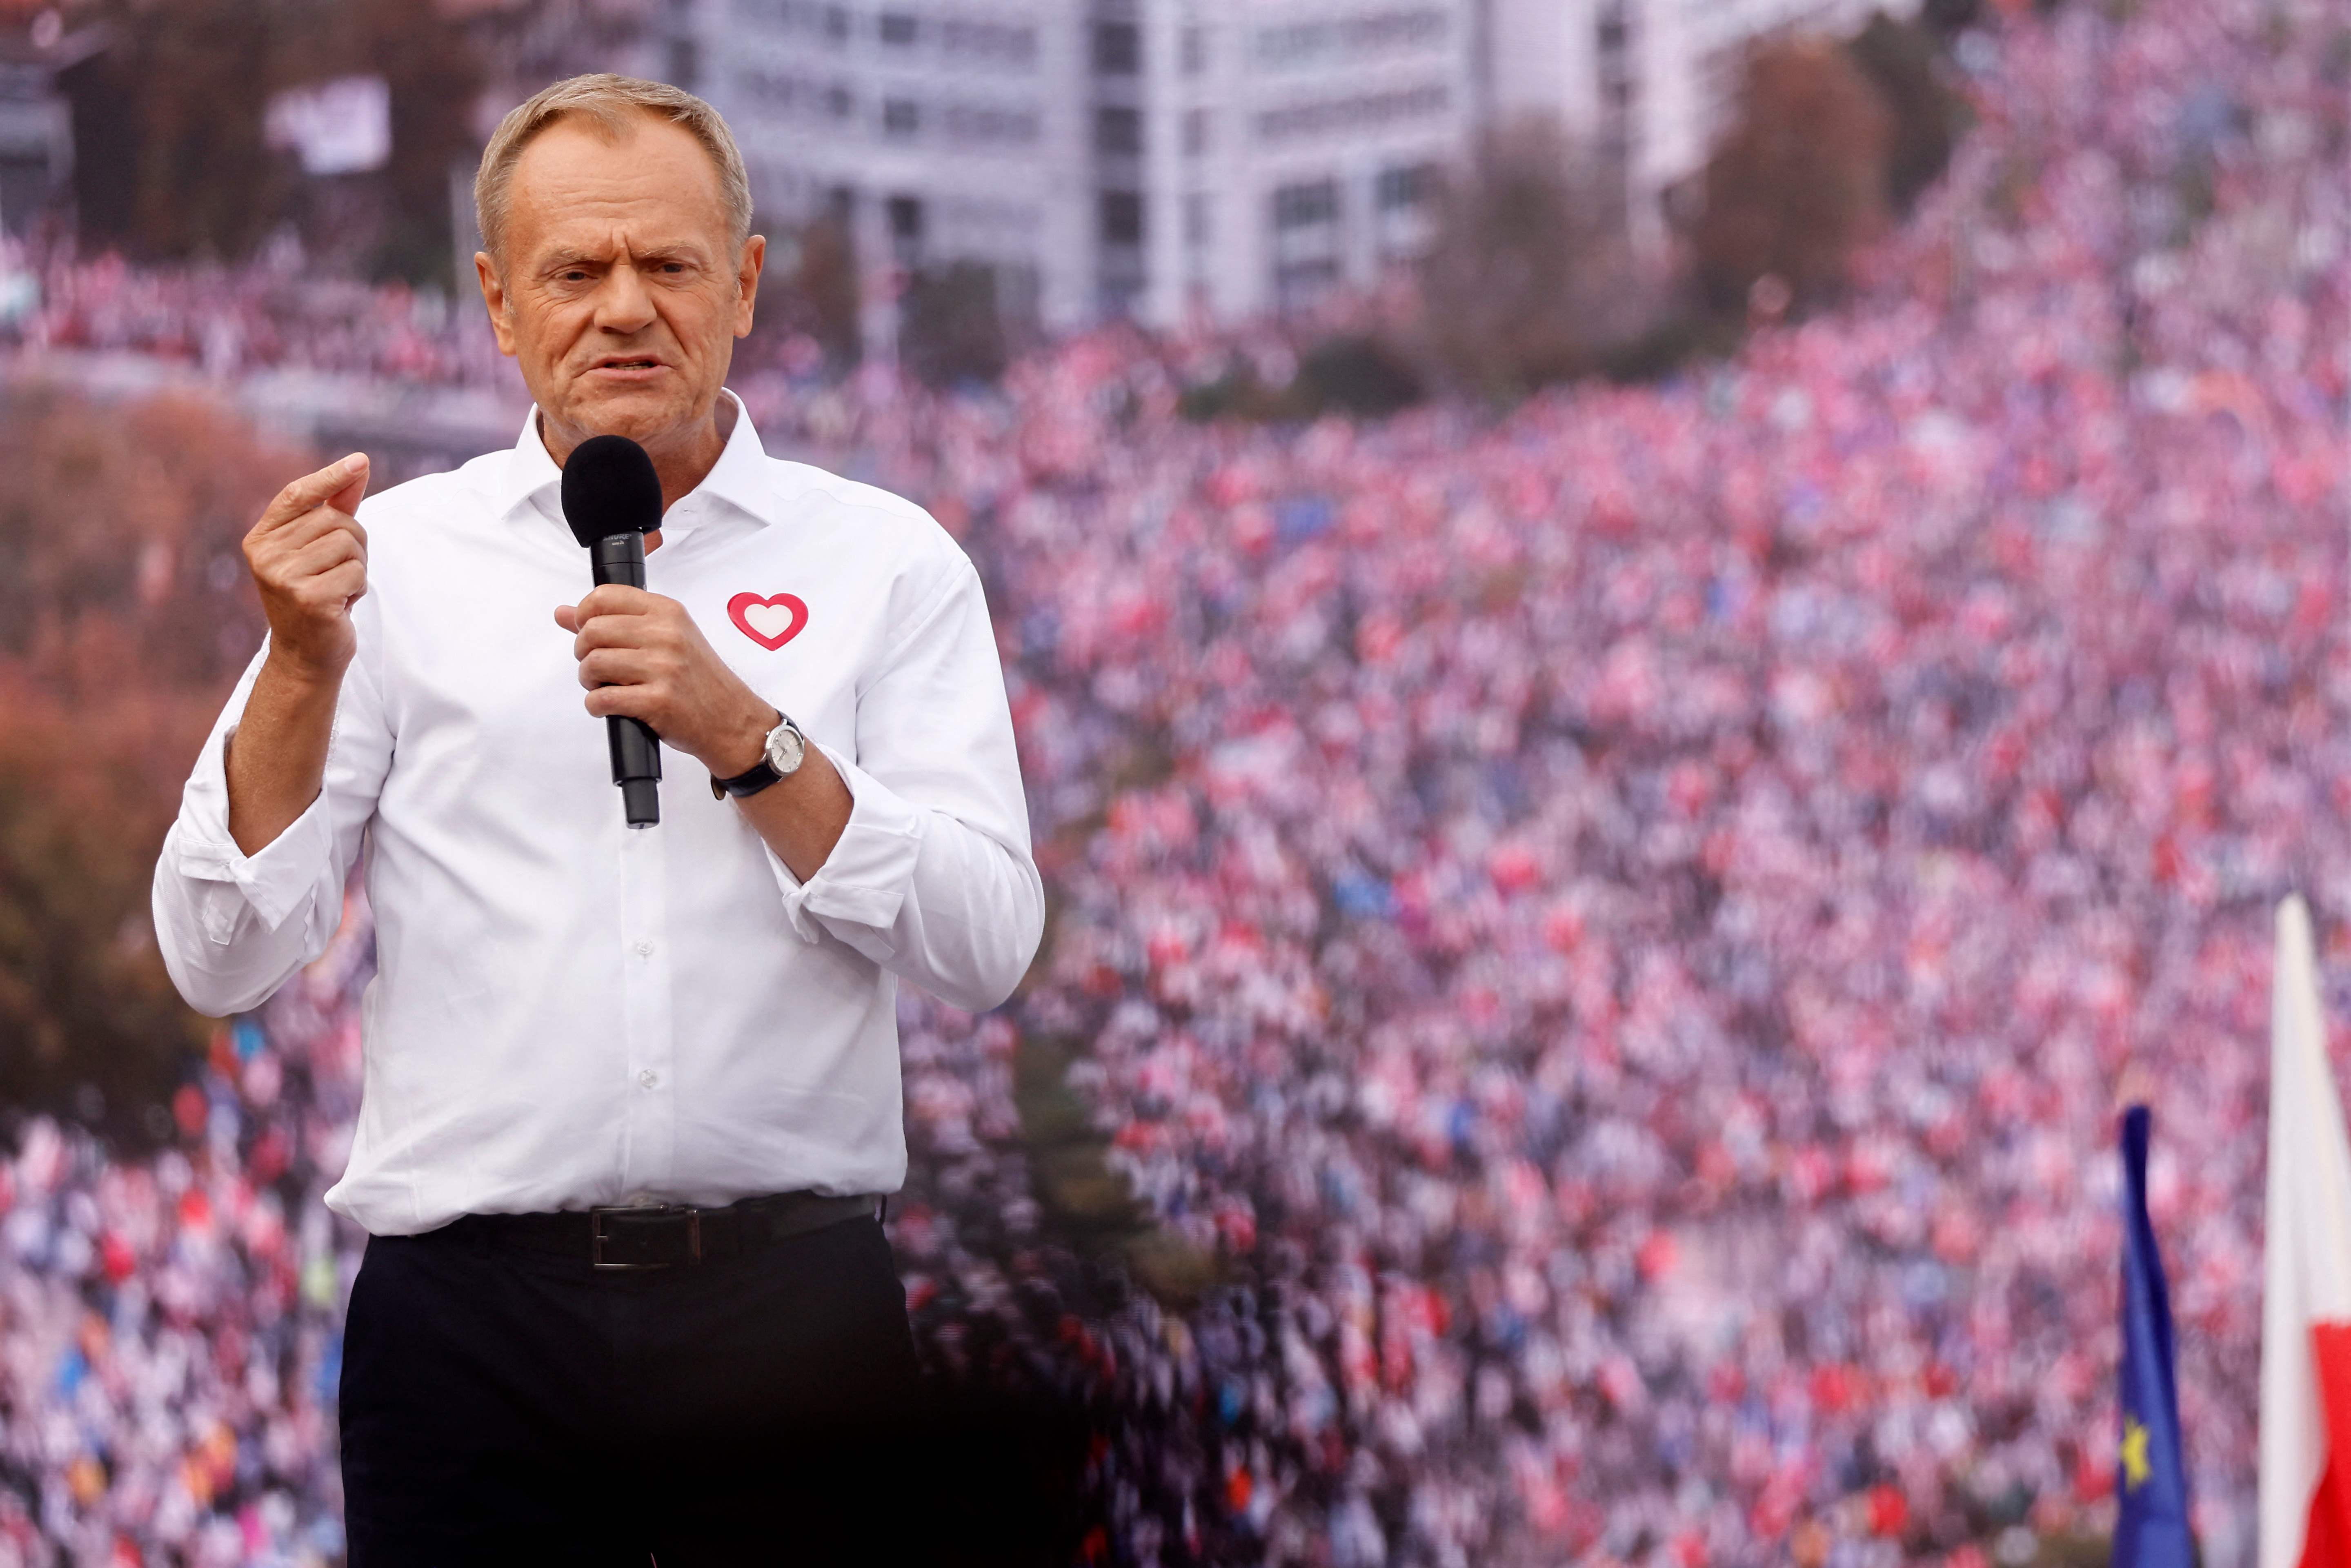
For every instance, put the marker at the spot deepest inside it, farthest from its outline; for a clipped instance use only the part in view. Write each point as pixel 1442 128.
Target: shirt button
pixel 645 949
pixel 648 1078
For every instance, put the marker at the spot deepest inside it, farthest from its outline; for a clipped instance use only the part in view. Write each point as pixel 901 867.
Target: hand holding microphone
pixel 648 670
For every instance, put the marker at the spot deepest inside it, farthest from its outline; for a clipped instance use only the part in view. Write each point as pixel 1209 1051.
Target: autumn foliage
pixel 1801 182
pixel 125 616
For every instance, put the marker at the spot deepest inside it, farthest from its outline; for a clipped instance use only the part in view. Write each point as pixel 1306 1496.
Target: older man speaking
pixel 631 1098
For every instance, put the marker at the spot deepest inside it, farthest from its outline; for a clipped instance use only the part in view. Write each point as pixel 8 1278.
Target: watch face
pixel 785 749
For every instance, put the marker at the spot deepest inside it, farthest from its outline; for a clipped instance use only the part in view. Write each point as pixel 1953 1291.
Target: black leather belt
pixel 662 1236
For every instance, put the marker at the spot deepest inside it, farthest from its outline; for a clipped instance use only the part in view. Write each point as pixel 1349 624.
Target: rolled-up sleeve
pixel 933 878
pixel 233 926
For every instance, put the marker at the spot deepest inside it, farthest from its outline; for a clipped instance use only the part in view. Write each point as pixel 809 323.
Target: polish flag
pixel 2305 1496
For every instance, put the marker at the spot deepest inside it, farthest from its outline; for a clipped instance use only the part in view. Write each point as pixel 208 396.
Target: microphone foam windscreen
pixel 609 487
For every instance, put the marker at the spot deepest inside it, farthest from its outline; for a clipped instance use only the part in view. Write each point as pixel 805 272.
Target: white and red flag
pixel 2305 1498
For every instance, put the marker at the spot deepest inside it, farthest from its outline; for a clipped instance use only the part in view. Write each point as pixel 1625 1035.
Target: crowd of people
pixel 1614 935
pixel 269 315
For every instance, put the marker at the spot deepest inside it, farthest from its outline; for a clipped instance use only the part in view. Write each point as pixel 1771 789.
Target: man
pixel 631 1098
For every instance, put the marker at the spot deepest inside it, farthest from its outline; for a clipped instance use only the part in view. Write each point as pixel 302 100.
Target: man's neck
pixel 682 461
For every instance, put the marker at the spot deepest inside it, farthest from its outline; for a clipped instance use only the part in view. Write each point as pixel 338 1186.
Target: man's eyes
pixel 582 274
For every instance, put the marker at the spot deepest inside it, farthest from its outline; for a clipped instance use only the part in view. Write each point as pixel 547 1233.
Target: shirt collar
pixel 737 481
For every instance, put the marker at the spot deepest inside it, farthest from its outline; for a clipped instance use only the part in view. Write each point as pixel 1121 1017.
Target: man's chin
pixel 648 415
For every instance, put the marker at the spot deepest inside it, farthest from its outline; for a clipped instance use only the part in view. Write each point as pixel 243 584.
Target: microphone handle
pixel 636 750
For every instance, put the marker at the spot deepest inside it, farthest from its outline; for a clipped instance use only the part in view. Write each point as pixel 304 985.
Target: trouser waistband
pixel 662 1236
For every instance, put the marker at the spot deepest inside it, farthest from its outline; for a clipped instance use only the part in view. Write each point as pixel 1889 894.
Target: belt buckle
pixel 596 1237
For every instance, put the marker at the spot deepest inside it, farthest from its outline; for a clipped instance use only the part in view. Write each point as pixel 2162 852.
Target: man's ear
pixel 746 282
pixel 493 296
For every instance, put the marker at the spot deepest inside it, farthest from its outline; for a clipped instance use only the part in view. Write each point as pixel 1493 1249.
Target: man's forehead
pixel 575 179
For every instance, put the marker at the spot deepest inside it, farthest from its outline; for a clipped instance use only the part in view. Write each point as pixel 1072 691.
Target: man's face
pixel 621 292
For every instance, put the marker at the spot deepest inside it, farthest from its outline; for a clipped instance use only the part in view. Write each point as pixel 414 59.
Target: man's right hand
pixel 308 558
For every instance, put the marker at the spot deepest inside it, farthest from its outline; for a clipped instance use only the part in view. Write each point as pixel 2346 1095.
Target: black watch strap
pixel 753 779
pixel 750 781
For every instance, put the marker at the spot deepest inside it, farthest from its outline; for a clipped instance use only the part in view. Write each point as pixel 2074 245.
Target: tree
pixel 1902 61
pixel 1800 181
pixel 124 618
pixel 432 72
pixel 952 328
pixel 171 158
pixel 826 284
pixel 1530 277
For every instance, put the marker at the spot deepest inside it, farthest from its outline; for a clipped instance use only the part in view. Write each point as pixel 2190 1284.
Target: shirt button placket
pixel 650 1140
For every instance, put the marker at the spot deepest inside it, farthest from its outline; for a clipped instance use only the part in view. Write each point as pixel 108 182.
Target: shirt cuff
pixel 863 880
pixel 275 883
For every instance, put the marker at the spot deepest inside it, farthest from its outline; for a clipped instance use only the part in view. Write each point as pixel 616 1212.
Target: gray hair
pixel 610 101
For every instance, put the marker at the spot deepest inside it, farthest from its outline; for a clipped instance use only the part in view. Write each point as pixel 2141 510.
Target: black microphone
pixel 612 498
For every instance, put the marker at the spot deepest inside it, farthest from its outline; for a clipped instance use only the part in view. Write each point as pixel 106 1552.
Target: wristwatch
pixel 780 756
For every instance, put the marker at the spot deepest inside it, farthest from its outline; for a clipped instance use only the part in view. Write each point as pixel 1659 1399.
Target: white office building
pixel 1155 158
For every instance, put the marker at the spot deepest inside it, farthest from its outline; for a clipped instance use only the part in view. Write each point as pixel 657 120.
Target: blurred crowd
pixel 269 315
pixel 1619 930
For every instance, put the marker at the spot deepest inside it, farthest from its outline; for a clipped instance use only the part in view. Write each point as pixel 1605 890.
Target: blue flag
pixel 2151 1479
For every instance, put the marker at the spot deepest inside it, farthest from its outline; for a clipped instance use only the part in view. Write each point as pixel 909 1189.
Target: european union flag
pixel 2151 1482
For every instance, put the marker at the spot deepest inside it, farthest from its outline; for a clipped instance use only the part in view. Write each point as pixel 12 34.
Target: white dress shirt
pixel 568 1012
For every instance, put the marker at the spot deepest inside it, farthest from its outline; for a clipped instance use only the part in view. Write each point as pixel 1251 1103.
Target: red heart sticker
pixel 769 622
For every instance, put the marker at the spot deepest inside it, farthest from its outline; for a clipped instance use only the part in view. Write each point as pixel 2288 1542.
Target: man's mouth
pixel 626 362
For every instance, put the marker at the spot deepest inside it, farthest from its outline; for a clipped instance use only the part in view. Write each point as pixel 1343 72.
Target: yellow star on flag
pixel 2135 1465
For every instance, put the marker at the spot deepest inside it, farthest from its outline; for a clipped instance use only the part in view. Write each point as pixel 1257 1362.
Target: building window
pixel 1305 241
pixel 1361 37
pixel 1410 186
pixel 1308 206
pixel 981 122
pixel 1367 112
pixel 838 101
pixel 1118 132
pixel 1004 43
pixel 1118 48
pixel 1195 51
pixel 1199 214
pixel 1195 131
pixel 1122 217
pixel 906 230
pixel 685 62
pixel 900 117
pixel 1614 37
pixel 836 23
pixel 1404 197
pixel 898 28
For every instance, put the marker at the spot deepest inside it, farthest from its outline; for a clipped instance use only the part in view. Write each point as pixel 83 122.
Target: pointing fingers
pixel 341 484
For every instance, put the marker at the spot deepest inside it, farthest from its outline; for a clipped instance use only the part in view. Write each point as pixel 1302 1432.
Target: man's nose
pixel 623 304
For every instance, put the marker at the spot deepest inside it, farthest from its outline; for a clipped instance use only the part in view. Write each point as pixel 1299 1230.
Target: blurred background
pixel 1660 645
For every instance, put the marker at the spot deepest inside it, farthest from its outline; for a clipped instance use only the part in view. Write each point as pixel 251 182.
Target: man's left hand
pixel 642 656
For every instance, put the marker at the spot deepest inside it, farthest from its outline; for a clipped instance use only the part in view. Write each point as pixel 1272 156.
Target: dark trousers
pixel 509 1407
